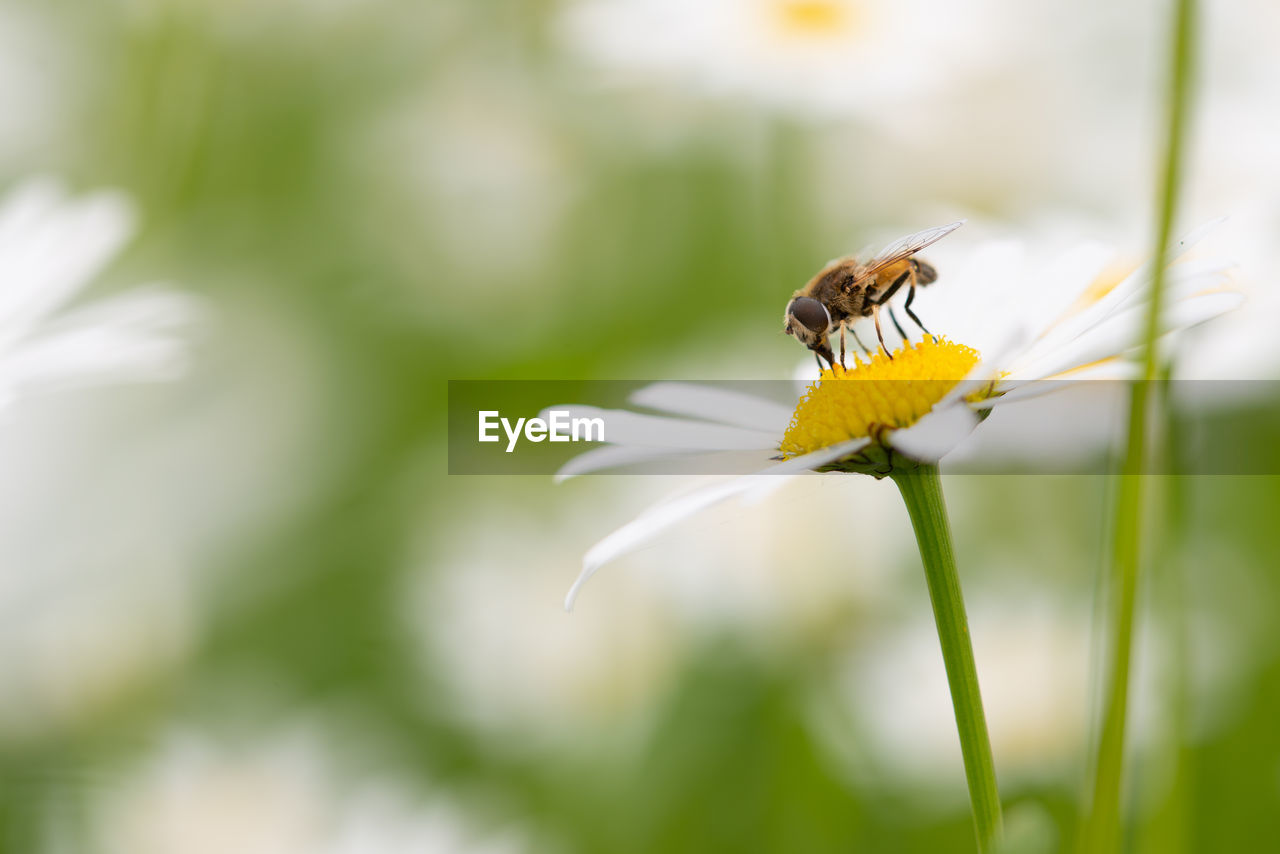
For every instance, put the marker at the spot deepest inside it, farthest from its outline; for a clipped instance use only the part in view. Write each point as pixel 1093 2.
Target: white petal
pixel 667 461
pixel 721 405
pixel 930 438
pixel 150 308
pixel 992 363
pixel 127 338
pixel 622 427
pixel 1033 303
pixel 661 516
pixel 50 248
pixel 613 456
pixel 1195 310
pixel 1115 369
pixel 1119 334
pixel 1118 368
pixel 1184 279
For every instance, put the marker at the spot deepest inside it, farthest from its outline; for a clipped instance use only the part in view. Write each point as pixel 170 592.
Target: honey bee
pixel 848 289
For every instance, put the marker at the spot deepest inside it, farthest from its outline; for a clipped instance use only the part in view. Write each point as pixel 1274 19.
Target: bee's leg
pixel 828 356
pixel 858 341
pixel 842 346
pixel 875 315
pixel 896 324
pixel 893 289
pixel 911 294
pixel 908 275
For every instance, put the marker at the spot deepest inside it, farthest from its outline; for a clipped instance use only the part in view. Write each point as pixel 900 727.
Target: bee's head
pixel 810 322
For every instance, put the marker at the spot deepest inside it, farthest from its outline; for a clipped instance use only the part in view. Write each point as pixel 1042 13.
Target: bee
pixel 848 289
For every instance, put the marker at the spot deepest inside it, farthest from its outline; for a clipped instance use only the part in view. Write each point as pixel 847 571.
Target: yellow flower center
pixel 880 394
pixel 814 17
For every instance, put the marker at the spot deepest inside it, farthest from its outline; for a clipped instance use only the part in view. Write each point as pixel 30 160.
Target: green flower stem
pixel 1102 826
pixel 1102 829
pixel 921 490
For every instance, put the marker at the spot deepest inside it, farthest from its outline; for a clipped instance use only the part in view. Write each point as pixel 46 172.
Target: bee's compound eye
pixel 810 313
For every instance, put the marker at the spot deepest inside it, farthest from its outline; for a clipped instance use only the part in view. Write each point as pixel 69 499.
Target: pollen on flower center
pixel 814 17
pixel 883 393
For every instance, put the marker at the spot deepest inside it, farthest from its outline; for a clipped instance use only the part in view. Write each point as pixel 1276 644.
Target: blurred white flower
pixel 32 90
pixel 71 646
pixel 490 169
pixel 1033 663
pixel 286 794
pixel 1244 347
pixel 1234 173
pixel 471 164
pixel 1035 652
pixel 496 648
pixel 776 580
pixel 160 485
pixel 1078 323
pixel 153 483
pixel 52 247
pixel 1231 170
pixel 815 57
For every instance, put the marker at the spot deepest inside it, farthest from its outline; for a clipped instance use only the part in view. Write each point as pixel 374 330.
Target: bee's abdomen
pixel 926 273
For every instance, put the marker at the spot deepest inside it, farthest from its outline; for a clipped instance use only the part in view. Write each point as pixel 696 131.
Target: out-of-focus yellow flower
pixel 812 57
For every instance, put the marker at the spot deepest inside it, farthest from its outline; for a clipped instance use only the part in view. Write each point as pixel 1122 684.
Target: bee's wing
pixel 905 247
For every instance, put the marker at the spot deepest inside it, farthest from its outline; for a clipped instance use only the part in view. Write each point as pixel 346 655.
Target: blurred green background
pixel 256 615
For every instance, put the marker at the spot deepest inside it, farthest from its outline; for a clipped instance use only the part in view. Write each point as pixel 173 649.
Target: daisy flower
pixel 51 248
pixel 817 57
pixel 1008 326
pixel 1009 332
